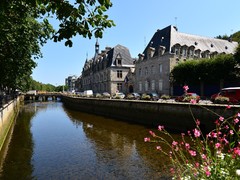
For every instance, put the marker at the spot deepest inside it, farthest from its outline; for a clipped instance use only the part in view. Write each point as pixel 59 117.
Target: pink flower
pixel 172 171
pixel 196 132
pixel 226 141
pixel 193 101
pixel 159 148
pixel 238 114
pixel 187 146
pixel 226 127
pixel 197 164
pixel 228 106
pixel 214 135
pixel 152 133
pixel 186 88
pixel 204 157
pixel 217 122
pixel 236 120
pixel 217 145
pixel 221 118
pixel 192 153
pixel 231 132
pixel 236 151
pixel 197 122
pixel 174 143
pixel 146 139
pixel 208 173
pixel 160 128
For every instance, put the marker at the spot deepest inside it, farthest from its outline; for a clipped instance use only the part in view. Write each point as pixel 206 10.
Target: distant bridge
pixel 45 96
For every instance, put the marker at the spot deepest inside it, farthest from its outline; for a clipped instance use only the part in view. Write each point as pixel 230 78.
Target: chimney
pixel 151 52
pixel 161 50
pixel 140 56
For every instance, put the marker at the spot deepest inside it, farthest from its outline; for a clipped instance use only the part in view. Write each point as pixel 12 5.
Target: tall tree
pixel 25 27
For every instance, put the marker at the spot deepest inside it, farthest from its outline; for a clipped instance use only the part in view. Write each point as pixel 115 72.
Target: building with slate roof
pixel 107 70
pixel 166 49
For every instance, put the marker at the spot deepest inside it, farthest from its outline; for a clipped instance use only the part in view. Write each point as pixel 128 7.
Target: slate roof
pixel 169 36
pixel 112 54
pixel 121 51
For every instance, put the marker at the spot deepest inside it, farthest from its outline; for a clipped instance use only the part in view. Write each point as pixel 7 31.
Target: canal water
pixel 50 141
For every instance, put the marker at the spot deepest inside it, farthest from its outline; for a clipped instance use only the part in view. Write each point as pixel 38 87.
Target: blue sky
pixel 136 22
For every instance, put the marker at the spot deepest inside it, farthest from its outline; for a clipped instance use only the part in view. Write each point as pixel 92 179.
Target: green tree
pixel 222 67
pixel 25 27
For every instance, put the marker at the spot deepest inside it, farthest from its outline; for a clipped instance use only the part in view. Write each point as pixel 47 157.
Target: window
pixel 119 73
pixel 146 86
pixel 105 76
pixel 140 71
pixel 160 68
pixel 119 87
pixel 152 69
pixel 146 71
pixel 160 85
pixel 153 85
pixel 140 86
pixel 119 62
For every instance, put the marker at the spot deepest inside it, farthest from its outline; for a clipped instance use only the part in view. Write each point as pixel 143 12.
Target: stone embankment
pixel 175 116
pixel 8 113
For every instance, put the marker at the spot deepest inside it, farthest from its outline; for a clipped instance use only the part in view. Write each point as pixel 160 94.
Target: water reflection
pixel 52 142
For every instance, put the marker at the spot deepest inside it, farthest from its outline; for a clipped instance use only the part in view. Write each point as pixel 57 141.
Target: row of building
pixel 113 69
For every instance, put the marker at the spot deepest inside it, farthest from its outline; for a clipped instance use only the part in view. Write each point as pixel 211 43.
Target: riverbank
pixel 9 112
pixel 175 116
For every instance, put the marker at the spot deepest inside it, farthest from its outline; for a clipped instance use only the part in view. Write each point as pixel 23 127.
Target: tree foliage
pixel 25 27
pixel 222 67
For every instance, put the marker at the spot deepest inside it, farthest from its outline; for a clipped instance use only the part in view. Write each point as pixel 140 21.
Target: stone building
pixel 107 70
pixel 70 82
pixel 166 49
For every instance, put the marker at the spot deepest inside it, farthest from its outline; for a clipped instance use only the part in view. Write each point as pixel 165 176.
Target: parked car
pixel 88 93
pixel 232 93
pixel 106 95
pixel 118 95
pixel 188 97
pixel 154 96
pixel 133 95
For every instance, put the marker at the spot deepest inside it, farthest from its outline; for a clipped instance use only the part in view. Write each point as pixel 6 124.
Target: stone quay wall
pixel 8 113
pixel 175 116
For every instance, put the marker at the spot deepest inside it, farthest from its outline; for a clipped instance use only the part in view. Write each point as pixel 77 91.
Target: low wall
pixel 176 116
pixel 8 112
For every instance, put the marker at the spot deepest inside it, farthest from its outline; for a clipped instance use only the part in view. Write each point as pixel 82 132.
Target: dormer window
pixel 119 60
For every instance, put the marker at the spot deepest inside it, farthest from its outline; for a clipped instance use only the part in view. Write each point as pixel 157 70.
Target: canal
pixel 50 141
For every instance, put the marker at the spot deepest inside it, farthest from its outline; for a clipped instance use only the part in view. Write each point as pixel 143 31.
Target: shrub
pixel 165 97
pixel 145 97
pixel 221 100
pixel 189 98
pixel 130 96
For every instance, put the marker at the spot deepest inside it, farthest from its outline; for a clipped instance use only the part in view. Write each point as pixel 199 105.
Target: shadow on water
pixel 123 138
pixel 17 163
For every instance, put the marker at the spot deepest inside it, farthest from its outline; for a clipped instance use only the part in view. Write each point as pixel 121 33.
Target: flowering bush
pixel 215 155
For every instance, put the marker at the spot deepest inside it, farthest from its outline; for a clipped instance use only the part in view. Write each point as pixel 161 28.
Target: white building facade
pixel 165 50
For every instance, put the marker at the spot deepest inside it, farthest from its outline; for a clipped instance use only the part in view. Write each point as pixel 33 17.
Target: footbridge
pixel 43 96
